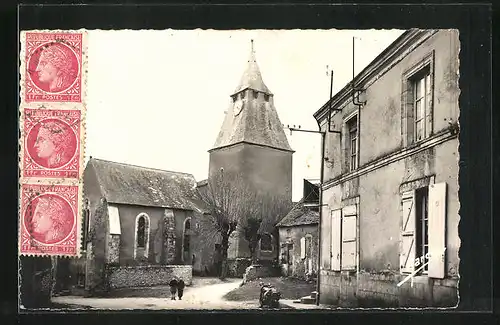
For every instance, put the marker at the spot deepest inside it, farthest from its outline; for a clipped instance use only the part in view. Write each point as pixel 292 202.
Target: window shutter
pixel 437 230
pixel 349 237
pixel 409 112
pixel 407 245
pixel 303 247
pixel 428 105
pixel 336 239
pixel 326 237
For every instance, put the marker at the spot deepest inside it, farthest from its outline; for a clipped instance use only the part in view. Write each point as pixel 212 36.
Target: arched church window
pixel 255 94
pixel 86 228
pixel 187 235
pixel 142 227
pixel 266 97
pixel 141 232
pixel 266 243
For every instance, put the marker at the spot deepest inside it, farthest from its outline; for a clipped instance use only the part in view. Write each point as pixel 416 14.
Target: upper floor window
pixel 352 145
pixel 416 120
pixel 255 94
pixel 242 94
pixel 266 97
pixel 420 102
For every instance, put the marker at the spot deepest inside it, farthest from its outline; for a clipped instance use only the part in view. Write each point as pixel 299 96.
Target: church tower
pixel 252 144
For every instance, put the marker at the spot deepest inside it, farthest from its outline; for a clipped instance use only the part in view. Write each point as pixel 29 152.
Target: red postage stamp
pixel 49 220
pixel 53 67
pixel 51 143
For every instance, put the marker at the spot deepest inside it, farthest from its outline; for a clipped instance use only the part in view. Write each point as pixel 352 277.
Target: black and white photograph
pixel 253 169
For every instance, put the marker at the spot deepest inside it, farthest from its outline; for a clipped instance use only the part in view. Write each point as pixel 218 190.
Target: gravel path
pixel 204 297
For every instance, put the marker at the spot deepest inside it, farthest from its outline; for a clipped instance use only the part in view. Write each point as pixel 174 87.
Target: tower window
pixel 255 94
pixel 266 97
pixel 266 243
pixel 234 98
pixel 242 95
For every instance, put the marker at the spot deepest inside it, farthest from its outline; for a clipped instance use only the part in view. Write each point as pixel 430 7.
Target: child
pixel 173 288
pixel 180 288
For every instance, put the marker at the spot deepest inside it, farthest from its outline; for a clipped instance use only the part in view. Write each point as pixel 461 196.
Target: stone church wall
pixel 147 275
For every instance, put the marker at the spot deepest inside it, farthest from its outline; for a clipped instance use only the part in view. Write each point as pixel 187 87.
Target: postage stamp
pixel 53 66
pixel 49 219
pixel 51 143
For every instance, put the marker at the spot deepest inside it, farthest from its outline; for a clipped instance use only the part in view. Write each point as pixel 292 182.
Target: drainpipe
pixel 359 104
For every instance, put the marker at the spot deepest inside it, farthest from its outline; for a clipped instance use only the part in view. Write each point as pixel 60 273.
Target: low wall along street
pixel 145 276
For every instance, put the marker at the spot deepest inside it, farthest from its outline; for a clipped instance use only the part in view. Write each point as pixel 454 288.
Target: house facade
pixel 390 214
pixel 298 236
pixel 140 227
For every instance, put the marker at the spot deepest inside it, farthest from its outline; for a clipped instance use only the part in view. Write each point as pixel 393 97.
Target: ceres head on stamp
pixel 53 67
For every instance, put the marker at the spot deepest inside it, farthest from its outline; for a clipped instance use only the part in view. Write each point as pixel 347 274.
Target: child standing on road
pixel 173 287
pixel 180 288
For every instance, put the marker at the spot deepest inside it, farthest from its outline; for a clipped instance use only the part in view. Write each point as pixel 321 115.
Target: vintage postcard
pixel 243 169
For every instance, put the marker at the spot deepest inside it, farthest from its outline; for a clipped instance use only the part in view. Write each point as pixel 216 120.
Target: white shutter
pixel 407 245
pixel 114 220
pixel 336 241
pixel 303 247
pixel 428 106
pixel 325 242
pixel 437 230
pixel 349 236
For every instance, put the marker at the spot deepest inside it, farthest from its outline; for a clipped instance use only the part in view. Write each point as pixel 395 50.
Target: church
pixel 252 144
pixel 143 225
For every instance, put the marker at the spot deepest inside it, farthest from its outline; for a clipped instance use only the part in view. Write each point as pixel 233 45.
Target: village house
pixel 253 146
pixel 298 235
pixel 140 228
pixel 390 206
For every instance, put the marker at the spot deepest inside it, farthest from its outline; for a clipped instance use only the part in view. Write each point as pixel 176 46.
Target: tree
pixel 267 212
pixel 227 199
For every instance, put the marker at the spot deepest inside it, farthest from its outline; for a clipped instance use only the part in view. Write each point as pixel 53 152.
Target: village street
pixel 197 297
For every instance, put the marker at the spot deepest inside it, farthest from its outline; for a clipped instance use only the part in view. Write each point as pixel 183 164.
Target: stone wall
pixel 238 266
pixel 380 290
pixel 260 271
pixel 148 275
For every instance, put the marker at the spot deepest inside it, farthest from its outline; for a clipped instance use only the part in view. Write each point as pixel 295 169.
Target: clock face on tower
pixel 238 107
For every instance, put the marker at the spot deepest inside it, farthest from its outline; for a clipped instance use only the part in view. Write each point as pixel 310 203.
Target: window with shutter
pixel 437 230
pixel 407 245
pixel 336 240
pixel 349 238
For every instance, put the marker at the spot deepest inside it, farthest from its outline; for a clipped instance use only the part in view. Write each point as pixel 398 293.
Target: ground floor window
pixel 423 231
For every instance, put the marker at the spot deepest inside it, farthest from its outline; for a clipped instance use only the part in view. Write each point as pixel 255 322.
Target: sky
pixel 157 98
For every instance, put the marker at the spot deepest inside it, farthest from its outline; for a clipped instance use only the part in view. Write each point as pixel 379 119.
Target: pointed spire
pixel 252 77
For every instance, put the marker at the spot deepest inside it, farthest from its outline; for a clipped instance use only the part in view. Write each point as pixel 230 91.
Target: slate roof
pixel 258 123
pixel 135 185
pixel 252 78
pixel 299 216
